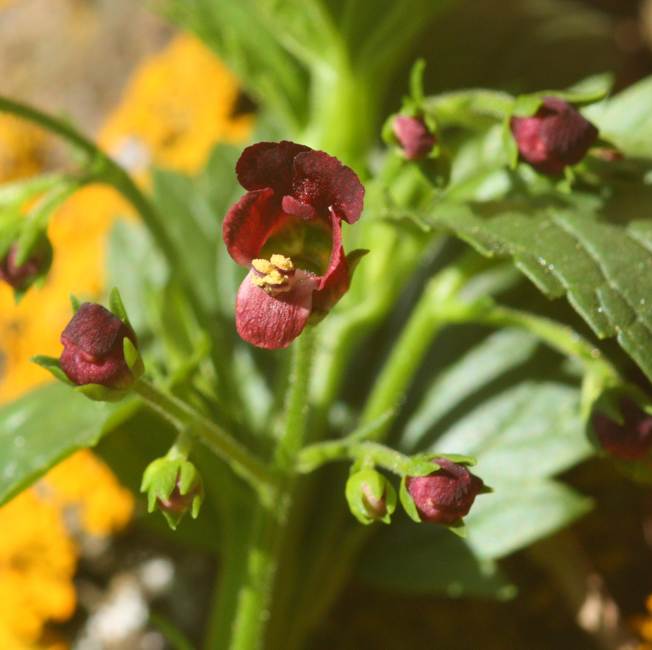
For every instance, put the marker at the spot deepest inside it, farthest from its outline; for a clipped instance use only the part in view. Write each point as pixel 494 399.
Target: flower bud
pixel 556 136
pixel 173 486
pixel 630 440
pixel 93 348
pixel 414 136
pixel 21 276
pixel 446 495
pixel 370 496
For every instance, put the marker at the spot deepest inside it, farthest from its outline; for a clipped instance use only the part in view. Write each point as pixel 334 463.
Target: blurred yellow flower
pixel 23 148
pixel 37 565
pixel 102 510
pixel 175 108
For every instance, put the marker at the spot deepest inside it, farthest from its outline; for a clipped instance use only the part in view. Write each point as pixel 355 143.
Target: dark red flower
pixel 287 230
pixel 630 440
pixel 445 496
pixel 413 135
pixel 93 348
pixel 21 277
pixel 554 137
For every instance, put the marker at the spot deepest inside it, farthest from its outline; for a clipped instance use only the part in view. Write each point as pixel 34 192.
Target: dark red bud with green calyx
pixel 414 136
pixel 446 495
pixel 556 136
pixel 93 348
pixel 178 504
pixel 630 440
pixel 21 277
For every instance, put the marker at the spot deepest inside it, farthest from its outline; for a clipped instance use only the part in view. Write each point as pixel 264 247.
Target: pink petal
pixel 249 223
pixel 273 322
pixel 268 164
pixel 324 182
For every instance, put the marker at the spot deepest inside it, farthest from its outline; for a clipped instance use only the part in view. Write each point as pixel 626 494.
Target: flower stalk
pixel 184 417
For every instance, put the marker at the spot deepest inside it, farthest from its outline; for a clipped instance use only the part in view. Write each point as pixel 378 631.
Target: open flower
pixel 556 136
pixel 287 230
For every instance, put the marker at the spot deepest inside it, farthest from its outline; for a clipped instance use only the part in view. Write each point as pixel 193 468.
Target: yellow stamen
pixel 274 274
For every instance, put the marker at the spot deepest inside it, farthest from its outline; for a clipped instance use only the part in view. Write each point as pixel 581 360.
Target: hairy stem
pixel 271 523
pixel 184 417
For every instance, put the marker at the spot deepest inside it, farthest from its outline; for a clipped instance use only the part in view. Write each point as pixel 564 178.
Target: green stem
pixel 321 453
pixel 184 417
pixel 272 518
pixel 406 356
pixel 560 337
pixel 296 406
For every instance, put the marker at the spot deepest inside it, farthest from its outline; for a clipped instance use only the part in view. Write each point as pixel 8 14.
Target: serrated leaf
pixel 520 513
pixel 46 425
pixel 501 404
pixel 427 559
pixel 599 256
pixel 626 119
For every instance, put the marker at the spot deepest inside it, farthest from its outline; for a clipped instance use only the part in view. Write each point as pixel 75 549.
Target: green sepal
pixel 416 81
pixel 458 528
pixel 132 358
pixel 379 488
pixel 117 307
pixel 160 479
pixel 99 393
pixel 408 504
pixel 51 364
pixel 10 222
pixel 74 303
pixel 469 461
pixel 420 465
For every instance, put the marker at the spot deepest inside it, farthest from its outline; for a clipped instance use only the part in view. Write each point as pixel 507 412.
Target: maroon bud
pixel 93 348
pixel 630 440
pixel 414 136
pixel 445 496
pixel 555 136
pixel 178 504
pixel 21 277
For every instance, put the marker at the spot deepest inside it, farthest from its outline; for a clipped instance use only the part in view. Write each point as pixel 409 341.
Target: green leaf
pixel 46 425
pixel 520 513
pixel 626 119
pixel 598 255
pixel 427 559
pixel 509 407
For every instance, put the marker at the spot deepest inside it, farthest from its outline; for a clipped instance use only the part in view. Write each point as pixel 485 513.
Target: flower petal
pixel 268 164
pixel 324 182
pixel 273 322
pixel 337 278
pixel 249 223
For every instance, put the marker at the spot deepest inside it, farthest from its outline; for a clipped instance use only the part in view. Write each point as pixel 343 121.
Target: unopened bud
pixel 556 136
pixel 446 495
pixel 414 136
pixel 93 348
pixel 370 496
pixel 173 486
pixel 630 440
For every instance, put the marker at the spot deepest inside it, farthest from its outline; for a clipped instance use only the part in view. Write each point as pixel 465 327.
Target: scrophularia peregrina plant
pixel 465 196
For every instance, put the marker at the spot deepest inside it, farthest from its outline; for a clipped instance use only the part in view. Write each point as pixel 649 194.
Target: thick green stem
pixel 184 417
pixel 407 354
pixel 319 454
pixel 271 524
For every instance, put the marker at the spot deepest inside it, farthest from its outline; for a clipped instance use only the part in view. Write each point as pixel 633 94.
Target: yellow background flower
pixel 175 108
